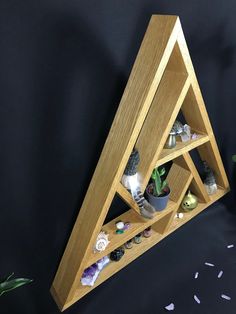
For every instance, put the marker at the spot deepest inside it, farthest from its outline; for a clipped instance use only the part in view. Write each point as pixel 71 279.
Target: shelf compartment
pixel 176 223
pixel 129 256
pixel 138 224
pixel 166 105
pixel 181 148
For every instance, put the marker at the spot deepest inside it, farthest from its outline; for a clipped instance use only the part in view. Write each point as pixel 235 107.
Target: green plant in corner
pixel 159 187
pixel 10 284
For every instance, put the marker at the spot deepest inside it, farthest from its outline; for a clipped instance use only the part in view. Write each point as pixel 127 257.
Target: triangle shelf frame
pixel 162 82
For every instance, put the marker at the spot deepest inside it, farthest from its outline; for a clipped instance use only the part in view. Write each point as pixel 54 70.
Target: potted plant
pixel 158 190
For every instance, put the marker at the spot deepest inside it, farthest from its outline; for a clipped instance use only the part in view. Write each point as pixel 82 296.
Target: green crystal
pixel 119 231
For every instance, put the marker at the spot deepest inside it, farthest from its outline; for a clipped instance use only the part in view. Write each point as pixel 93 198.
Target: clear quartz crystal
pixel 211 189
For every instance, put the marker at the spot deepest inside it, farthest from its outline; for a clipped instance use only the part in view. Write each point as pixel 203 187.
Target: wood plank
pixel 138 224
pixel 161 116
pixel 139 249
pixel 114 267
pixel 127 197
pixel 202 116
pixel 180 148
pixel 144 79
pixel 211 154
pixel 197 186
pixel 201 206
pixel 177 179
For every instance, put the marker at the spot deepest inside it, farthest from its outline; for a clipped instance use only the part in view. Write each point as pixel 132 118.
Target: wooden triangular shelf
pixel 161 82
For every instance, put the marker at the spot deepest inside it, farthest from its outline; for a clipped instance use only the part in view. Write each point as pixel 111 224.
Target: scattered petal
pixel 230 246
pixel 209 264
pixel 220 274
pixel 226 297
pixel 196 275
pixel 170 307
pixel 196 299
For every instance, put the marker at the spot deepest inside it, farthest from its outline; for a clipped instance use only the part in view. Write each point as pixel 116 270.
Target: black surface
pixel 63 68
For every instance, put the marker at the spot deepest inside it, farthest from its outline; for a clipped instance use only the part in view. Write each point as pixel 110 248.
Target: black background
pixel 63 68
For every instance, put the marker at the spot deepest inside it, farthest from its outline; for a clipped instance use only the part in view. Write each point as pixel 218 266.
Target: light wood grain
pixel 147 111
pixel 180 148
pixel 159 121
pixel 210 153
pixel 144 79
pixel 138 224
pixel 177 179
pixel 127 197
pixel 197 186
pixel 145 245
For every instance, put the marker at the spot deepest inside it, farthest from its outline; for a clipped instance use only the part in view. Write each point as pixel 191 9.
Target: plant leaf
pixel 234 158
pixel 162 171
pixel 9 285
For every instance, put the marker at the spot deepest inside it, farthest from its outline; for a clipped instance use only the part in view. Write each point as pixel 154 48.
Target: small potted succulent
pixel 158 190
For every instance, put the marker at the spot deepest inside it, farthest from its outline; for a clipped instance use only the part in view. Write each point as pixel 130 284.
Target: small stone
pixel 220 274
pixel 119 231
pixel 209 264
pixel 196 299
pixel 127 225
pixel 120 225
pixel 226 297
pixel 170 307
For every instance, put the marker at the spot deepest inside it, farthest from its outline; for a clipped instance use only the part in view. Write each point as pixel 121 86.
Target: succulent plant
pixel 159 186
pixel 10 284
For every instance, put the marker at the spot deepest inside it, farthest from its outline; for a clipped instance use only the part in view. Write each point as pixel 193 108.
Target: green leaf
pixel 162 171
pixel 9 285
pixel 234 158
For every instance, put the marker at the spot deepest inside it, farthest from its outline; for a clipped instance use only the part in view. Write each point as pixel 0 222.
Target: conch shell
pixel 101 242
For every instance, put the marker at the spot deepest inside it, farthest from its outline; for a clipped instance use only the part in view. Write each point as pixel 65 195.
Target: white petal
pixel 170 307
pixel 196 299
pixel 226 297
pixel 196 275
pixel 220 274
pixel 230 246
pixel 209 264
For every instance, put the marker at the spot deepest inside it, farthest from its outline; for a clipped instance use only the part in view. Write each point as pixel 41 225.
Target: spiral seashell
pixel 101 242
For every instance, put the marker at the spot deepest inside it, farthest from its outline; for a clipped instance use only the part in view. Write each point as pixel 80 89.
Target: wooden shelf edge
pixel 201 206
pixel 180 149
pixel 138 224
pixel 146 244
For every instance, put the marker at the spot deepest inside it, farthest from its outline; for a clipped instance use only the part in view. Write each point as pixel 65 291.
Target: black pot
pixel 158 202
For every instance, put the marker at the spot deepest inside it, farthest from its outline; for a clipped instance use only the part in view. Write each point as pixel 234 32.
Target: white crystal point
pixel 226 297
pixel 170 307
pixel 196 299
pixel 220 274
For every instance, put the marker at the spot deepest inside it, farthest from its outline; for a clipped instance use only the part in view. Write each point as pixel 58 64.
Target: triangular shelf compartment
pixel 161 81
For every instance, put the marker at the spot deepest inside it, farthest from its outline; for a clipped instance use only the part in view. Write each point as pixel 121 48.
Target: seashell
pixel 101 242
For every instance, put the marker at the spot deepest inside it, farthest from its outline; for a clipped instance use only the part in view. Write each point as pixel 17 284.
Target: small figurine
pixel 209 179
pixel 117 254
pixel 131 183
pixel 101 242
pixel 189 202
